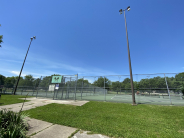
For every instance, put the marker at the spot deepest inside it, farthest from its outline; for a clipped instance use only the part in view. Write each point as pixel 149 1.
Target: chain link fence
pixel 160 88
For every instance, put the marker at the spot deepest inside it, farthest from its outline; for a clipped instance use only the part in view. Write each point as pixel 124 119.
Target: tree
pixel 36 82
pixel 45 81
pixel 21 81
pixel 143 84
pixel 85 83
pixel 135 85
pixel 100 82
pixel 79 82
pixel 116 86
pixel 182 89
pixel 126 80
pixel 14 80
pixel 29 80
pixel 126 83
pixel 180 77
pixel 2 79
pixel 11 81
pixel 128 86
pixel 8 82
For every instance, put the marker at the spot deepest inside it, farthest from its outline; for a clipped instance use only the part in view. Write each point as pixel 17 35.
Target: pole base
pixel 134 104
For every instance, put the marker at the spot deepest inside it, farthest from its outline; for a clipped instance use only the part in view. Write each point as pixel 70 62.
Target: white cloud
pixel 12 52
pixel 89 80
pixel 47 64
pixel 46 67
pixel 17 73
pixel 36 75
pixel 11 61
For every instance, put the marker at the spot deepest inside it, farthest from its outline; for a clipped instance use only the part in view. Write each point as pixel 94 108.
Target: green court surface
pixel 121 98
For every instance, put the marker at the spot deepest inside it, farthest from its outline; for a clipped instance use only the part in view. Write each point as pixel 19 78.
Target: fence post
pixel 62 92
pixel 12 89
pixel 70 89
pixel 54 93
pixel 119 83
pixel 66 97
pixel 22 90
pixel 46 93
pixel 48 86
pixel 167 89
pixel 34 89
pixel 76 86
pixel 69 85
pixel 104 89
pixel 63 87
pixel 57 93
pixel 94 91
pixel 82 87
pixel 38 86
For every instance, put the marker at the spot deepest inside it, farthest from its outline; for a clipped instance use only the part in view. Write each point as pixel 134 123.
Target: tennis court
pixel 152 89
pixel 157 99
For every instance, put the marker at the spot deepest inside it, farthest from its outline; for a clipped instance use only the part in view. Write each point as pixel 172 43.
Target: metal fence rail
pixel 159 88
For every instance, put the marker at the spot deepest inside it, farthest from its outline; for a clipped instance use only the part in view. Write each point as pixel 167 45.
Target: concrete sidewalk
pixel 35 102
pixel 42 129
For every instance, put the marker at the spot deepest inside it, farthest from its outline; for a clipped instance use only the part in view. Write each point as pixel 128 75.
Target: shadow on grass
pixel 6 93
pixel 144 103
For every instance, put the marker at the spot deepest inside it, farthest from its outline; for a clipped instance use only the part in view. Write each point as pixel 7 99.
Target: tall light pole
pixel 34 37
pixel 130 68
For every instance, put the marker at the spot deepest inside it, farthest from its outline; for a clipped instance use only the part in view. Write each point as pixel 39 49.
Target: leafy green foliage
pixel 28 81
pixel 81 82
pixel 12 124
pixel 125 84
pixel 179 77
pixel 100 82
pixel 156 82
pixel 116 86
pixel 116 119
pixel 2 79
pixel 45 81
pixel 182 90
pixel 137 87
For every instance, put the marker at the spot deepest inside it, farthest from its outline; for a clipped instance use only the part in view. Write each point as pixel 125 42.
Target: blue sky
pixel 88 37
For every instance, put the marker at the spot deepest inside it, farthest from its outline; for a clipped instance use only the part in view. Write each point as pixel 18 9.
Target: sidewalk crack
pixel 40 130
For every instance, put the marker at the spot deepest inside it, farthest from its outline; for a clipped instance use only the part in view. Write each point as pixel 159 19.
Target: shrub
pixel 13 125
pixel 182 90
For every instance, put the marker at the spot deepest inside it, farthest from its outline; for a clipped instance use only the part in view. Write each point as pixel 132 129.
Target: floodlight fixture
pixel 128 8
pixel 33 37
pixel 121 11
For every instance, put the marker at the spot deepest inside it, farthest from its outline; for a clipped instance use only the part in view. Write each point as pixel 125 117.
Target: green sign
pixel 56 79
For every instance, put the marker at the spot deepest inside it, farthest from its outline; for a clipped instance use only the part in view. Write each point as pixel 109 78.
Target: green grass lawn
pixel 117 119
pixel 11 99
